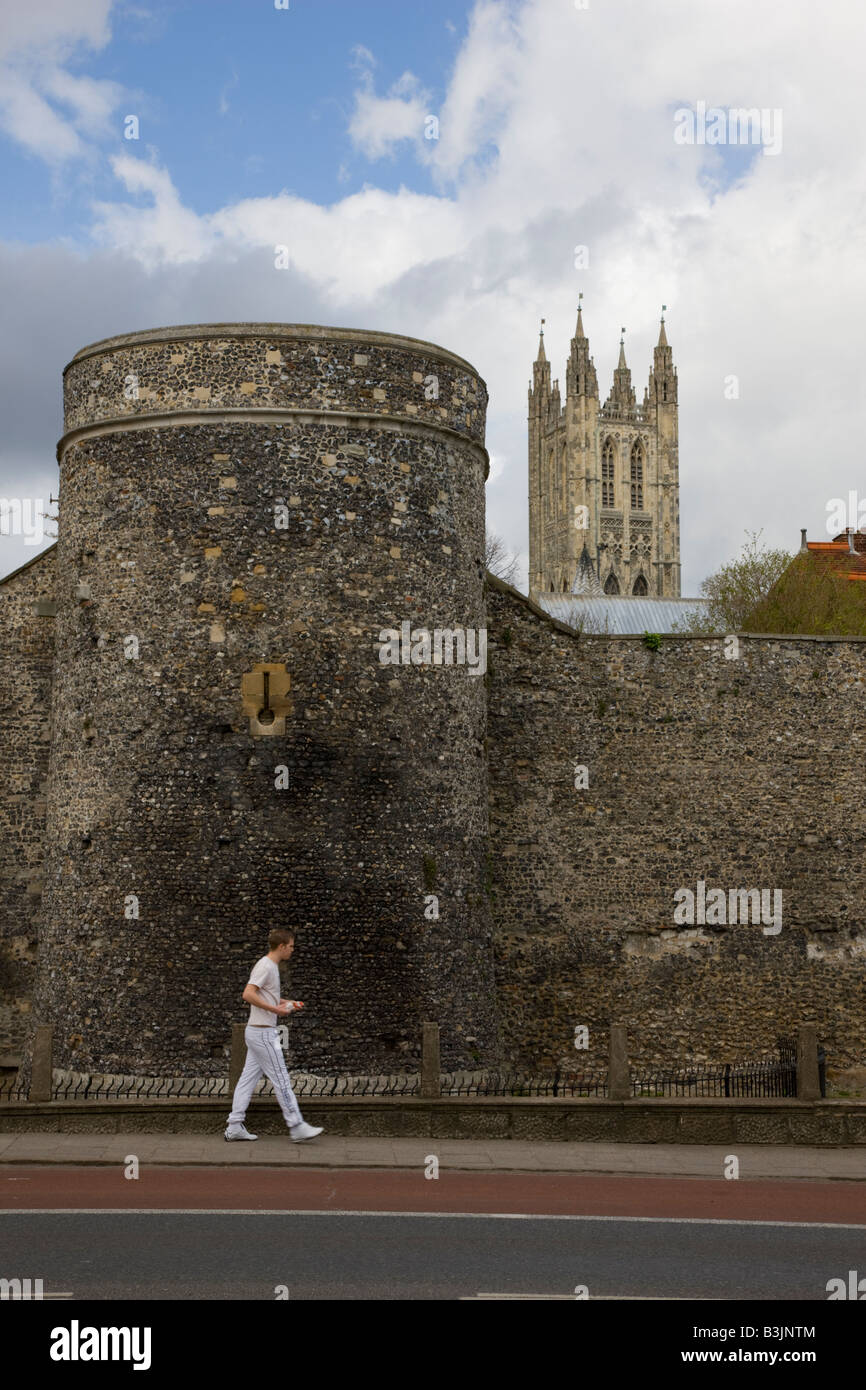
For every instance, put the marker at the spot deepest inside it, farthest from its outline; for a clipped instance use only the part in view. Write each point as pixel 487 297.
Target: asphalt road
pixel 144 1255
pixel 372 1235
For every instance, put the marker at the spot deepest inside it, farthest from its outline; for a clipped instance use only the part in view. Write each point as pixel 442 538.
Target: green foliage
pixel 734 591
pixel 652 641
pixel 813 597
pixel 429 872
pixel 601 708
pixel 507 637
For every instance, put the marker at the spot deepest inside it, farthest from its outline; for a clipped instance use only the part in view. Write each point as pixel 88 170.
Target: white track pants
pixel 264 1058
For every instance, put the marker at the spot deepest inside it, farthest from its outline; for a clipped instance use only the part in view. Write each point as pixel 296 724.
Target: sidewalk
pixel 509 1155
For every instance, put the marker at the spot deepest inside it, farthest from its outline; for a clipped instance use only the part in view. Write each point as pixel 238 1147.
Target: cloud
pixel 355 248
pixel 227 87
pixel 44 107
pixel 556 130
pixel 164 232
pixel 379 124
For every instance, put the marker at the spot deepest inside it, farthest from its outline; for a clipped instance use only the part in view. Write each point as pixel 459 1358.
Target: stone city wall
pixel 743 773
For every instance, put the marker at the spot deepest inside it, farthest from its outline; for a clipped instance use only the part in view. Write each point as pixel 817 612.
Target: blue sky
pixel 240 100
pixel 262 127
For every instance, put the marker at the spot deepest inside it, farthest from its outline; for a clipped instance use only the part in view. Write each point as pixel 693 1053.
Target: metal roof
pixel 623 615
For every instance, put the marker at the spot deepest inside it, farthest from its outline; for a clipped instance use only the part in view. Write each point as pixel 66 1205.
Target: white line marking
pixel 446 1215
pixel 595 1297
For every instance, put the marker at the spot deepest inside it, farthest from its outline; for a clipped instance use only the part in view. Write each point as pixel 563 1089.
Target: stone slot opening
pixel 266 714
pixel 265 696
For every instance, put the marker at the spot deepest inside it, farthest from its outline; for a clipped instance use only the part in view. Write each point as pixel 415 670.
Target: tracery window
pixel 607 475
pixel 637 476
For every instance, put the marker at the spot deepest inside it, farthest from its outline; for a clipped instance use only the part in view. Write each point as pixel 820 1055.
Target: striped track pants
pixel 264 1058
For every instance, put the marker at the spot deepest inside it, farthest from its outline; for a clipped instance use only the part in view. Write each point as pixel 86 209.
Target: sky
pixel 432 168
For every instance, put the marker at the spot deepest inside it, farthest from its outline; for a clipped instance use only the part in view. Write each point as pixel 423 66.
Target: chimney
pixel 803 545
pixel 850 531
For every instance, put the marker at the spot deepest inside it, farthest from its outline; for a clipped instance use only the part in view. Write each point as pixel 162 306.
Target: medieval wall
pixel 26 650
pixel 743 773
pixel 234 496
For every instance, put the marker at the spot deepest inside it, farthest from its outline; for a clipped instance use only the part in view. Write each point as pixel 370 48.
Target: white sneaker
pixel 239 1132
pixel 304 1131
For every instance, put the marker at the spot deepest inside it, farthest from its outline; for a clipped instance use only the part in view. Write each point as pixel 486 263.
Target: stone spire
pixel 621 400
pixel 586 580
pixel 662 388
pixel 539 388
pixel 580 377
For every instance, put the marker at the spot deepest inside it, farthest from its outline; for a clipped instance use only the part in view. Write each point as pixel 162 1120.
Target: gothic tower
pixel 604 514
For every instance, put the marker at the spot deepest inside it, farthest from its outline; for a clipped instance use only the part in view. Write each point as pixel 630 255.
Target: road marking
pixel 43 1297
pixel 595 1297
pixel 446 1215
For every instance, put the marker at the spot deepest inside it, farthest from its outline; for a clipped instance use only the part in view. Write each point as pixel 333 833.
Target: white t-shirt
pixel 265 975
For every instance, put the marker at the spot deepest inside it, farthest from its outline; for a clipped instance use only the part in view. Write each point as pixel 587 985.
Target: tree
pixel 734 592
pixel 813 597
pixel 497 558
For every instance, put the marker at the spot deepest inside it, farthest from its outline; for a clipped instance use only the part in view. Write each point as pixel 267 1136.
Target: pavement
pixel 757 1161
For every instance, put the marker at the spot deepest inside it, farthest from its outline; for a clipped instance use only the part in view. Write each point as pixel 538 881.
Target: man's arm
pixel 253 995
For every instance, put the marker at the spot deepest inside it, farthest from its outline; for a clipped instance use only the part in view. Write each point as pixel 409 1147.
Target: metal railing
pixel 766 1077
pixel 87 1087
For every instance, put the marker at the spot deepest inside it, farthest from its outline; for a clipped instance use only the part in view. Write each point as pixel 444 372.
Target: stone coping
pixel 266 415
pixel 27 563
pixel 310 331
pixel 637 1121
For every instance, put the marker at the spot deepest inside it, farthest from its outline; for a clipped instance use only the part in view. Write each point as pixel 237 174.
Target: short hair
pixel 280 936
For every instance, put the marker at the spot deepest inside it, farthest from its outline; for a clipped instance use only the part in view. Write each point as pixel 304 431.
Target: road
pixel 224 1233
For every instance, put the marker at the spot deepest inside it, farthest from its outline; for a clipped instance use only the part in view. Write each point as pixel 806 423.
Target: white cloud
pixel 43 107
pixel 557 129
pixel 165 232
pixel 378 124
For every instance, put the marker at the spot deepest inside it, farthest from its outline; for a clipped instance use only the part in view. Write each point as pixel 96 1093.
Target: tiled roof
pixel 854 565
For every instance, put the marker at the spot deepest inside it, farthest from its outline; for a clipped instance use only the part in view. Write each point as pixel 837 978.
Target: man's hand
pixel 285 1006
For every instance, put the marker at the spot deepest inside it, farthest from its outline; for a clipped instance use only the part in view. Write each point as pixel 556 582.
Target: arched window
pixel 607 475
pixel 637 476
pixel 611 584
pixel 640 586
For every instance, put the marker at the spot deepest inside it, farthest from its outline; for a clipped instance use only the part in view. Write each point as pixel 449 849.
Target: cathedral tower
pixel 604 479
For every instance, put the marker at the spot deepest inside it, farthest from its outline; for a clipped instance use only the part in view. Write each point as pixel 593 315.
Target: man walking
pixel 264 1054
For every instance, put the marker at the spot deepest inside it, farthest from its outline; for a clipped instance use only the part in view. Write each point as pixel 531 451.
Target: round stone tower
pixel 258 524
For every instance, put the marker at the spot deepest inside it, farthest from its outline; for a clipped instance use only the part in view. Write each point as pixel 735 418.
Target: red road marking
pixel 537 1194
